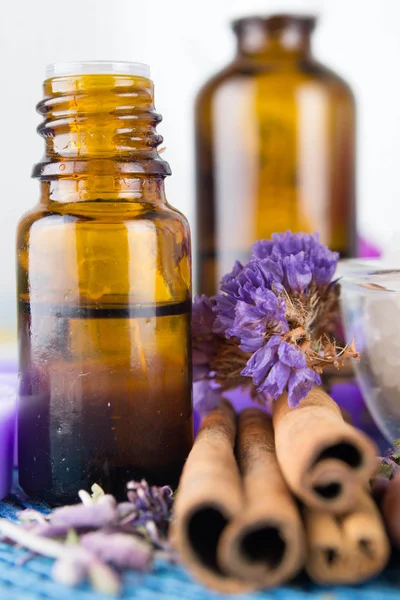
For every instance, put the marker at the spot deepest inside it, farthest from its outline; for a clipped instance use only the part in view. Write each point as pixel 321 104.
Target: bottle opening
pixel 97 67
pixel 276 22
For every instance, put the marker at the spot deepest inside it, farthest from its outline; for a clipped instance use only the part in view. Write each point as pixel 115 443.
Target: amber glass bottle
pixel 274 147
pixel 104 293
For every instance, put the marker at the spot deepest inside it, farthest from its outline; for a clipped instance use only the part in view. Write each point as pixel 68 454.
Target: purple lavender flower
pixel 100 514
pixel 303 256
pixel 151 503
pixel 225 313
pixel 203 347
pixel 248 302
pixel 273 272
pixel 268 310
pixel 235 286
pixel 203 316
pixel 252 320
pixel 275 365
pixel 300 383
pixel 291 356
pixel 298 274
pixel 205 396
pixel 263 249
pixel 99 537
pixel 263 359
pixel 122 550
pixel 276 380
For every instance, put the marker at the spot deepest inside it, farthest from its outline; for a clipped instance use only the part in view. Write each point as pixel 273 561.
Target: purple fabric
pixel 9 376
pixel 8 365
pixel 240 399
pixel 348 396
pixel 366 249
pixel 7 434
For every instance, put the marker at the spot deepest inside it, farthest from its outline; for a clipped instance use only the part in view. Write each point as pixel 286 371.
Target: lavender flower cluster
pixel 99 537
pixel 266 311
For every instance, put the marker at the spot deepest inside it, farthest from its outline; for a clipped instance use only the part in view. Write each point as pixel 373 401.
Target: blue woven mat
pixel 32 579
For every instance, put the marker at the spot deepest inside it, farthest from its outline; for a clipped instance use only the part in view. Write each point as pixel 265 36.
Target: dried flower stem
pixel 229 360
pixel 31 541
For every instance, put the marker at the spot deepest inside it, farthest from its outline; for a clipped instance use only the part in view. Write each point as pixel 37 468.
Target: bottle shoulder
pixel 328 76
pixel 217 80
pixel 293 74
pixel 94 214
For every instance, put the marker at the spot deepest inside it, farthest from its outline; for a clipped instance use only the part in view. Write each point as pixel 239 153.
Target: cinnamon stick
pixel 209 496
pixel 264 542
pixel 348 549
pixel 323 459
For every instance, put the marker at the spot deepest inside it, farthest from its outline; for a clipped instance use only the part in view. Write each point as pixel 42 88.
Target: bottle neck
pixel 100 138
pixel 282 37
pixel 145 189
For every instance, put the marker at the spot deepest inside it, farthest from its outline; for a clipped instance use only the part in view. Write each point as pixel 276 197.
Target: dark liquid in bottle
pixel 101 397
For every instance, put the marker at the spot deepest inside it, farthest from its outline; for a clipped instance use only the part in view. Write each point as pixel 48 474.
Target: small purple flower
pixel 291 356
pixel 203 316
pixel 241 285
pixel 303 256
pixel 252 320
pixel 300 383
pixel 324 268
pixel 276 380
pixel 122 550
pixel 203 346
pixel 205 397
pixel 224 309
pixel 297 271
pixel 272 271
pixel 263 359
pixel 151 503
pixel 263 249
pixel 236 287
pixel 79 516
pixel 99 537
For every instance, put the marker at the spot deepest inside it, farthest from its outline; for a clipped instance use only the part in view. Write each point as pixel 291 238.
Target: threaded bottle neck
pixel 277 37
pixel 101 124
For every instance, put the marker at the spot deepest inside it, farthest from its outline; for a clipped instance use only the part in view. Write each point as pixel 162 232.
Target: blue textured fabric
pixel 31 580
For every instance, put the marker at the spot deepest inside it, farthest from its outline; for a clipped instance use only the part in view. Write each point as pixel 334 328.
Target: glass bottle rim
pixel 379 282
pixel 97 67
pixel 276 21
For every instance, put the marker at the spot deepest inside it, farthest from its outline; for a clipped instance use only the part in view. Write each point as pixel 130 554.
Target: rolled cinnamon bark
pixel 348 549
pixel 264 543
pixel 209 496
pixel 323 459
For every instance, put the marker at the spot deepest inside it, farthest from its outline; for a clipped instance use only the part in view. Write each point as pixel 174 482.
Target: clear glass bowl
pixel 349 266
pixel 370 303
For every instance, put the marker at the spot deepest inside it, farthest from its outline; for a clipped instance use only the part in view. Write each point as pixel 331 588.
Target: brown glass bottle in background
pixel 275 148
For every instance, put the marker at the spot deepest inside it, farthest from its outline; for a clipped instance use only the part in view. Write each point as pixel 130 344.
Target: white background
pixel 185 41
